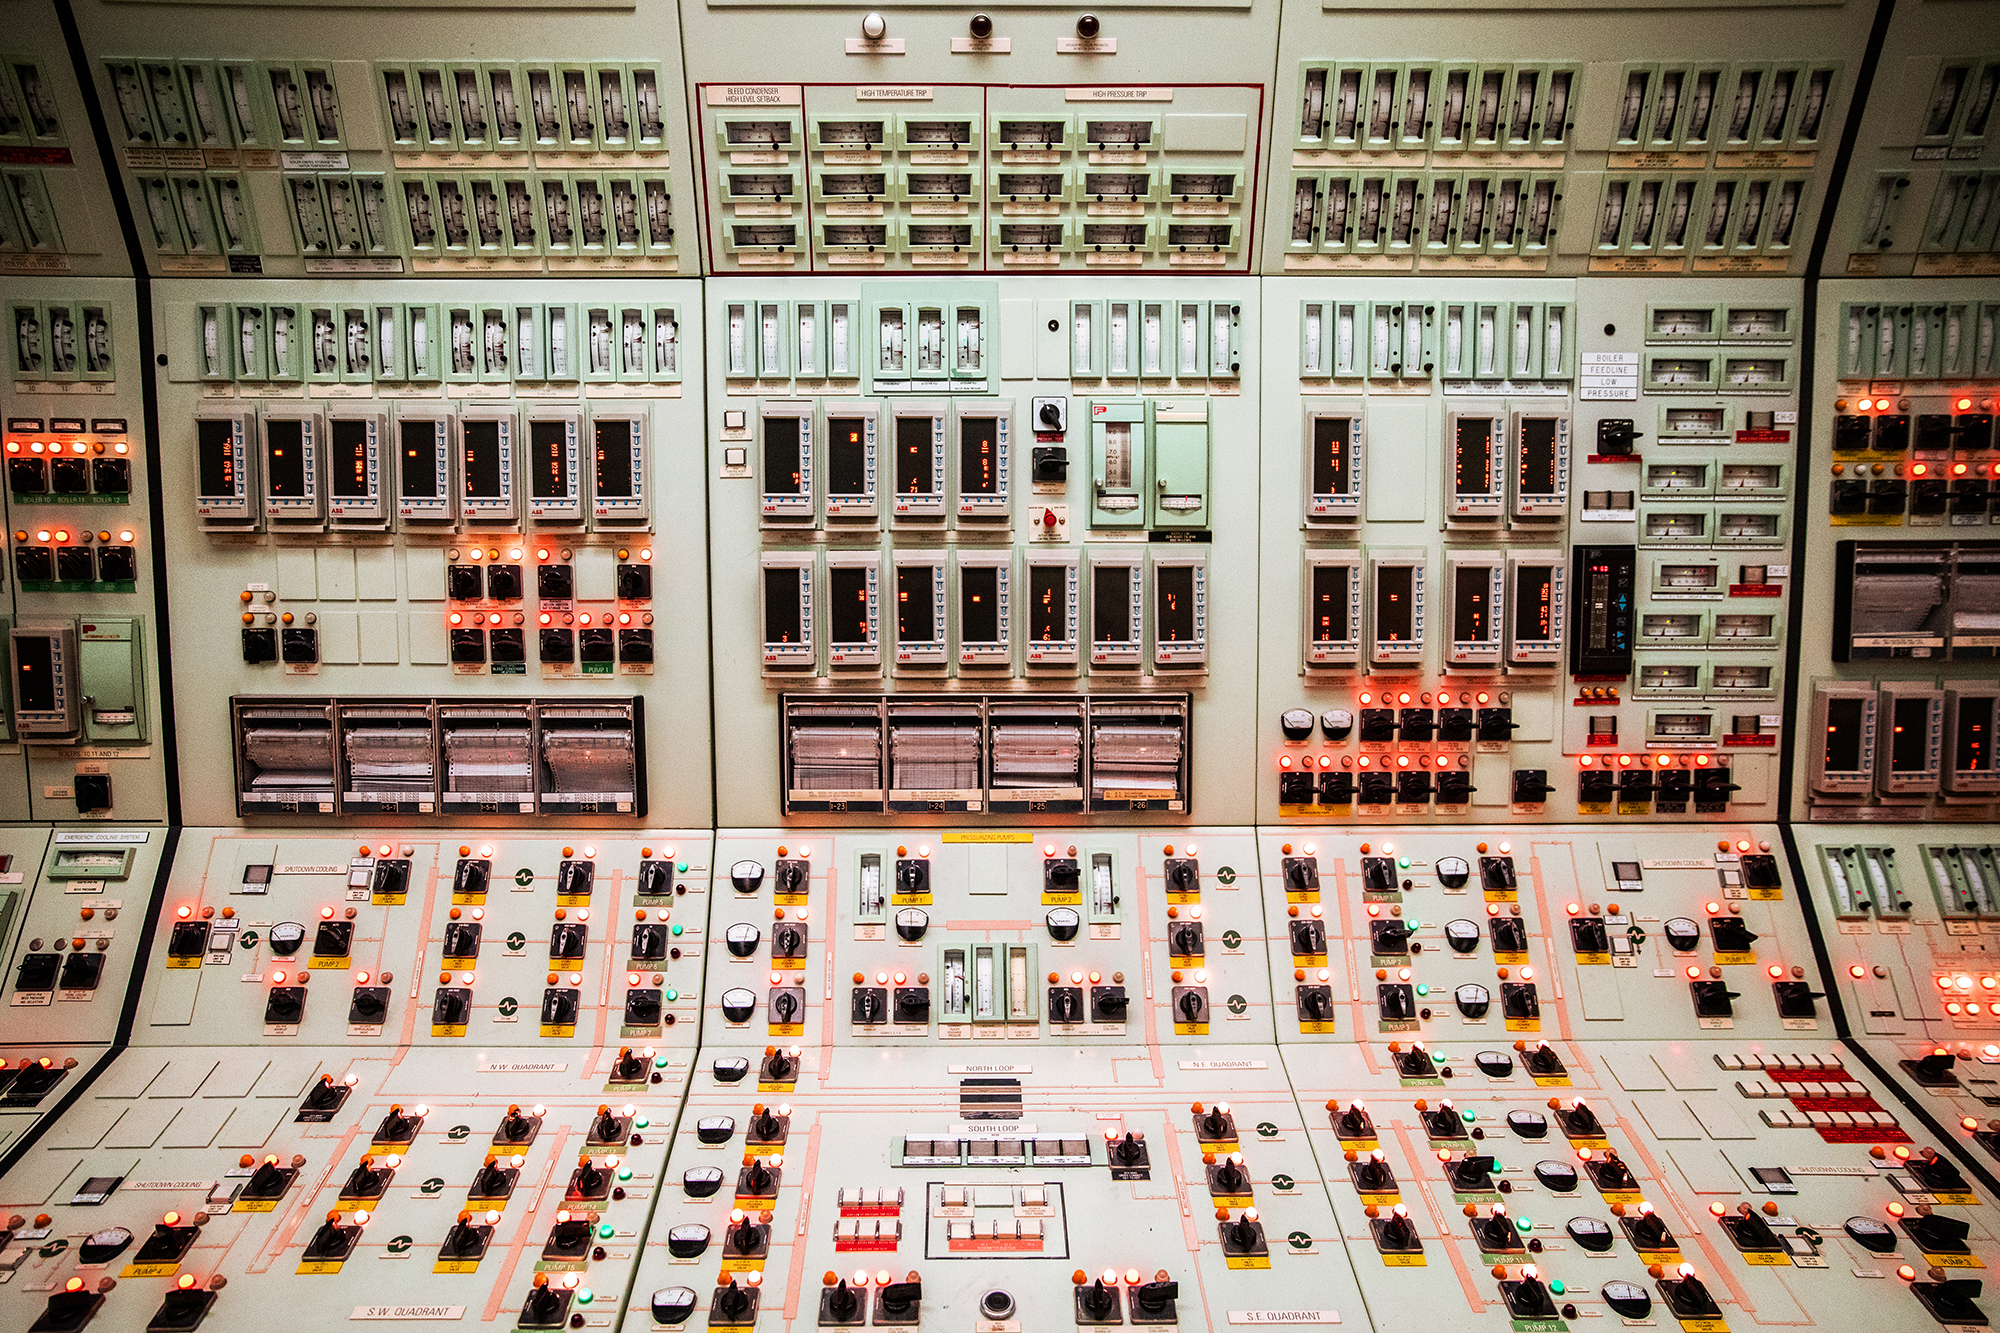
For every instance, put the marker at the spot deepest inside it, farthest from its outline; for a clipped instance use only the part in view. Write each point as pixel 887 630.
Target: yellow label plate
pixel 150 1270
pixel 1249 1261
pixel 321 1266
pixel 455 1266
pixel 1767 1259
pixel 1404 1261
pixel 184 962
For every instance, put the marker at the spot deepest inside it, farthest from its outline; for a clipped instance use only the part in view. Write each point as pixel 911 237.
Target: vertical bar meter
pixel 919 609
pixel 919 461
pixel 355 468
pixel 1333 432
pixel 423 466
pixel 1844 721
pixel 1117 464
pixel 789 646
pixel 555 469
pixel 487 470
pixel 852 462
pixel 1540 463
pixel 1396 609
pixel 1180 611
pixel 1179 447
pixel 1117 602
pixel 618 468
pixel 854 609
pixel 985 462
pixel 985 608
pixel 1332 611
pixel 1970 715
pixel 785 462
pixel 1911 739
pixel 1474 452
pixel 45 676
pixel 1478 604
pixel 224 466
pixel 1535 608
pixel 1049 614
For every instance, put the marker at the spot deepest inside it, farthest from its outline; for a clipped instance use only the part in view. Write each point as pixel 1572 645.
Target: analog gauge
pixel 1683 934
pixel 687 1241
pixel 747 876
pixel 1462 936
pixel 1453 872
pixel 911 923
pixel 1528 1124
pixel 1063 923
pixel 1472 999
pixel 742 939
pixel 1870 1234
pixel 1629 1299
pixel 1590 1234
pixel 286 937
pixel 1556 1177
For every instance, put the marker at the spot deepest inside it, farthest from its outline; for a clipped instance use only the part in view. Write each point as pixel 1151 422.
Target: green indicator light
pixel 584 1296
pixel 659 1062
pixel 1468 1115
pixel 677 928
pixel 1557 1286
pixel 1402 863
pixel 672 995
pixel 606 1231
pixel 1423 988
pixel 624 1173
pixel 640 1122
pixel 1523 1225
pixel 680 867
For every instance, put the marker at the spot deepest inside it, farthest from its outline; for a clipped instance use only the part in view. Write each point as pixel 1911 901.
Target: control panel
pixel 1163 667
pixel 997 537
pixel 446 537
pixel 85 710
pixel 325 145
pixel 1526 546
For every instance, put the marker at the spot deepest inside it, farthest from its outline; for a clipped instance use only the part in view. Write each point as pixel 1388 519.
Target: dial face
pixel 1336 722
pixel 747 876
pixel 1453 872
pixel 1494 1064
pixel 912 922
pixel 737 1004
pixel 1870 1234
pixel 1472 1000
pixel 1063 922
pixel 1559 1177
pixel 742 939
pixel 1628 1299
pixel 1296 723
pixel 286 937
pixel 1683 933
pixel 701 1181
pixel 1462 936
pixel 1590 1233
pixel 687 1239
pixel 111 1238
pixel 1528 1124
